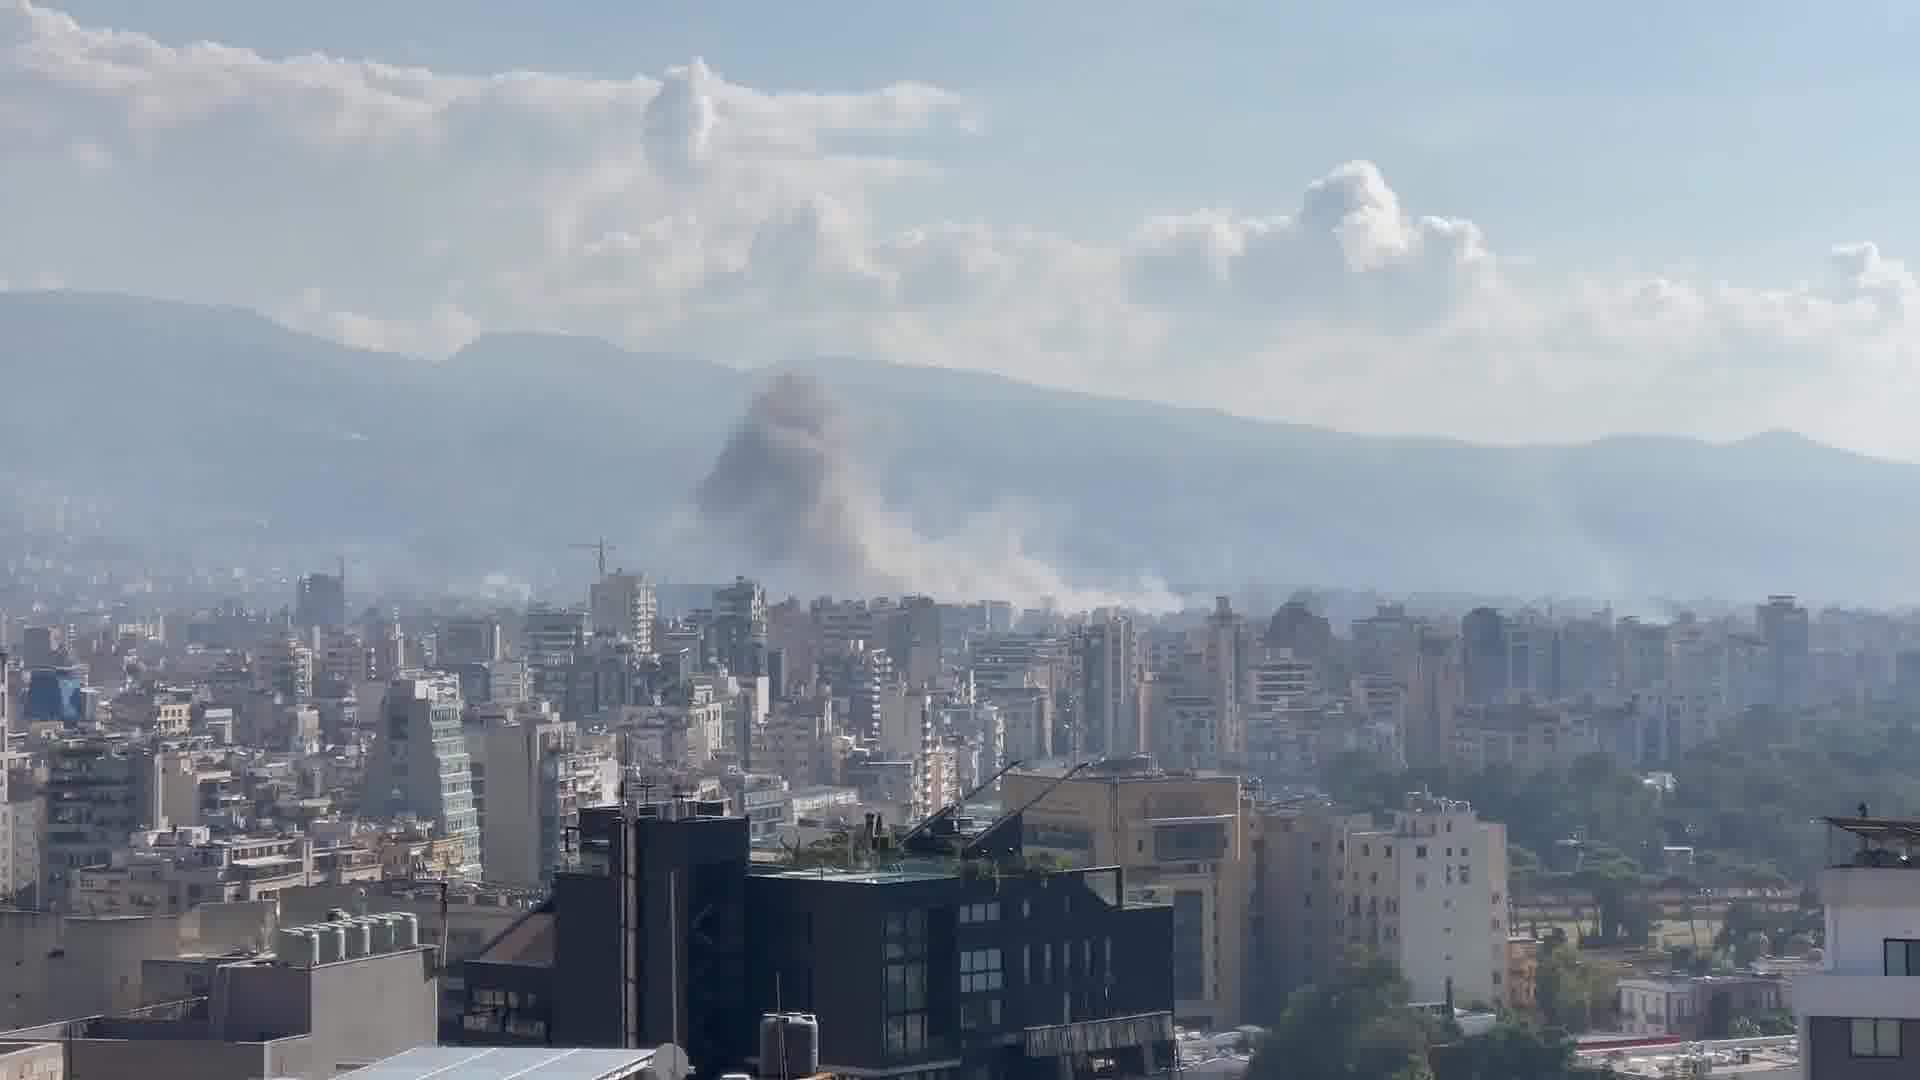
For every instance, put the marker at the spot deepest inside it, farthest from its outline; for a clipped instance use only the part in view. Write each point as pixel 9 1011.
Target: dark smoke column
pixel 785 489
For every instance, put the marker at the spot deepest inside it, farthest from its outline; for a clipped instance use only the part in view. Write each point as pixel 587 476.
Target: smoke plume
pixel 786 489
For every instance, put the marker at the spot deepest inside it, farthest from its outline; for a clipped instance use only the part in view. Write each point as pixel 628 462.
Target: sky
pixel 1500 221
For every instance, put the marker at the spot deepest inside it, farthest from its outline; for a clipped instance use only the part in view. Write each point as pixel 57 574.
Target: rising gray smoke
pixel 787 489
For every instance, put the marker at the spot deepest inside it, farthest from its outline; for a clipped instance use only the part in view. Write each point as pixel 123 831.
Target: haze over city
pixel 1005 541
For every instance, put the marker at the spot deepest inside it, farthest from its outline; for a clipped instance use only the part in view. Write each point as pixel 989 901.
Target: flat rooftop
pixel 507 1063
pixel 891 875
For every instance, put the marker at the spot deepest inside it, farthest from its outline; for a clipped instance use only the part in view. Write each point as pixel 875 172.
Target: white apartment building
pixel 624 605
pixel 1860 1016
pixel 419 765
pixel 1431 892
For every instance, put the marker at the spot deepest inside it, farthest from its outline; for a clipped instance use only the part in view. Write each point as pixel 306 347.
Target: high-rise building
pixel 284 665
pixel 738 632
pixel 44 647
pixel 1428 890
pixel 912 637
pixel 1295 898
pixel 469 639
pixel 1435 688
pixel 538 779
pixel 1643 655
pixel 624 605
pixel 419 763
pixel 99 790
pixel 1111 667
pixel 1485 657
pixel 1297 628
pixel 320 601
pixel 549 639
pixel 1224 656
pixel 1784 627
pixel 20 828
pixel 1182 837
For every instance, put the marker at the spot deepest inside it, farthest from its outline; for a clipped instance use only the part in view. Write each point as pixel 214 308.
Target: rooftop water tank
pixel 789 1045
pixel 293 948
pixel 382 927
pixel 406 932
pixel 359 938
pixel 333 943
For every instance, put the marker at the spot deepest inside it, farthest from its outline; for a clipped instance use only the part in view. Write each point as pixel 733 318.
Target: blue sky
pixel 1502 221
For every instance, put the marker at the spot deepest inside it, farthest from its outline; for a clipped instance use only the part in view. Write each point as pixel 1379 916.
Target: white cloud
pixel 412 209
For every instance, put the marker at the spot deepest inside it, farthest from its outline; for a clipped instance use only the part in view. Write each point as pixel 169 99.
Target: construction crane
pixel 600 548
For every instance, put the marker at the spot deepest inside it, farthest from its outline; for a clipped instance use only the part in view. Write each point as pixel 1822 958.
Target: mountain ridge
pixel 215 428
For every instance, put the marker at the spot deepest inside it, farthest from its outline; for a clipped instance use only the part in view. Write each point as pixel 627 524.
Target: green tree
pixel 1353 1026
pixel 1513 1050
pixel 1569 993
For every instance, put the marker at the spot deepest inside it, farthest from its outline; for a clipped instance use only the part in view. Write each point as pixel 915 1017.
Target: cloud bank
pixel 412 209
pixel 787 489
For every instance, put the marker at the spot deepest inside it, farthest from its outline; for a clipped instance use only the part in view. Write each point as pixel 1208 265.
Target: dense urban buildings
pixel 960 839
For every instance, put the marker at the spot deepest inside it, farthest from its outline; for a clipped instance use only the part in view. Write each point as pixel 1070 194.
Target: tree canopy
pixel 1353 1026
pixel 1357 1025
pixel 1745 801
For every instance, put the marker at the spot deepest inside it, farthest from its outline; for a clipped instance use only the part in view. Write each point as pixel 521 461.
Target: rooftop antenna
pixel 600 548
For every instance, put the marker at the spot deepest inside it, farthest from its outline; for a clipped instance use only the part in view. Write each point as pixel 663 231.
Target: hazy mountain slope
pixel 218 429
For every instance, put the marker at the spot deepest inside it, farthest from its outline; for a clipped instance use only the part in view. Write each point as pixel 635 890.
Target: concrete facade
pixel 1182 838
pixel 59 966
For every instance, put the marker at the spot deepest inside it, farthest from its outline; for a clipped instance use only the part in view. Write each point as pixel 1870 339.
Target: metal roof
pixel 506 1063
pixel 1886 831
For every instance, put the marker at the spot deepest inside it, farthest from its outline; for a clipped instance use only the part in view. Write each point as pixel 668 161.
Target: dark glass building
pixel 927 966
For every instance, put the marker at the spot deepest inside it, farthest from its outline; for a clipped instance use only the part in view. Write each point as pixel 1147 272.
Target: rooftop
pixel 513 1063
pixel 919 870
pixel 1883 842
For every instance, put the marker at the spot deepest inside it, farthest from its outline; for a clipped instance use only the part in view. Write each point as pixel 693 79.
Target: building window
pixel 907 1034
pixel 1420 852
pixel 980 913
pixel 980 971
pixel 905 982
pixel 1466 874
pixel 980 1014
pixel 1876 1038
pixel 1903 956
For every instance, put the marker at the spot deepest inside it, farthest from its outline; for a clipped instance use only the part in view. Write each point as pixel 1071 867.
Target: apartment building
pixel 99 790
pixel 164 871
pixel 1428 887
pixel 1859 1017
pixel 420 765
pixel 20 824
pixel 1182 839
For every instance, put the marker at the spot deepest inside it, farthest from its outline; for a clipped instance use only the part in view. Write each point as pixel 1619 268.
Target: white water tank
pixel 382 927
pixel 333 943
pixel 406 932
pixel 359 938
pixel 293 948
pixel 789 1045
